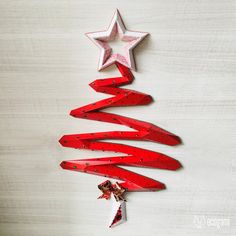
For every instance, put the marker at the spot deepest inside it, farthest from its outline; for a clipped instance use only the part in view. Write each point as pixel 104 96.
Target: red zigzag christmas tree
pixel 134 156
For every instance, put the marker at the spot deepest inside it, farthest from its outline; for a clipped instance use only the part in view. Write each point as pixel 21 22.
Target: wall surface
pixel 188 65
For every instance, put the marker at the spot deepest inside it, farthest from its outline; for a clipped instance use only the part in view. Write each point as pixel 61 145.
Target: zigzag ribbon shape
pixel 107 166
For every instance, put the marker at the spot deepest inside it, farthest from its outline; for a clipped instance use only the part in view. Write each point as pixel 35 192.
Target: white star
pixel 102 39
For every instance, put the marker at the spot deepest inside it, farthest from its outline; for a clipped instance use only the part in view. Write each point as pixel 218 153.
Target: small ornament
pixel 118 214
pixel 108 188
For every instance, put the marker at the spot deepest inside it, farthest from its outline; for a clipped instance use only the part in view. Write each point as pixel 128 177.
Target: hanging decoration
pixel 131 156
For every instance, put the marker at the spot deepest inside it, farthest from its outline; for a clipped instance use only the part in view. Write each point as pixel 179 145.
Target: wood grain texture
pixel 188 65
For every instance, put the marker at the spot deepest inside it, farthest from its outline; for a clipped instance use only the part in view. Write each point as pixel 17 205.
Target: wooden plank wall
pixel 188 65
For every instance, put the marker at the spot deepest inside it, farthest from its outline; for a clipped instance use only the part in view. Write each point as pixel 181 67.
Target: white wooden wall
pixel 188 65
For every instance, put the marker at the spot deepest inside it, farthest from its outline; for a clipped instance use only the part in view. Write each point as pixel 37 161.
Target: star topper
pixel 102 39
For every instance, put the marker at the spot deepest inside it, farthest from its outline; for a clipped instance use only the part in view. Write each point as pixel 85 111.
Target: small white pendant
pixel 118 214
